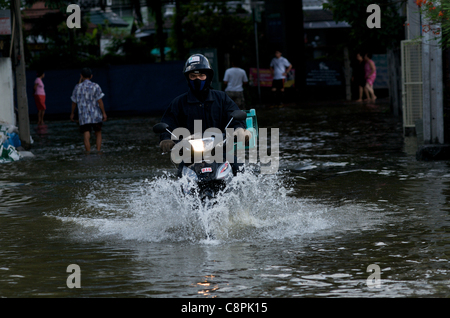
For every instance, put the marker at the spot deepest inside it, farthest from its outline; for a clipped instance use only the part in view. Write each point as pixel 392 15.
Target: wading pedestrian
pixel 87 96
pixel 39 96
pixel 279 67
pixel 371 74
pixel 234 79
pixel 359 75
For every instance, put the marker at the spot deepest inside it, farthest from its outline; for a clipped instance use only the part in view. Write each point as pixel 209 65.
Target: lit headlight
pixel 200 145
pixel 197 144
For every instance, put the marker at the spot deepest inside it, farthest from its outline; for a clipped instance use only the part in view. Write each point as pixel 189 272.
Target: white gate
pixel 411 82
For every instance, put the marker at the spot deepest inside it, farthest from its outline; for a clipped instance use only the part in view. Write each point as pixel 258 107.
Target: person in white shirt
pixel 279 67
pixel 234 79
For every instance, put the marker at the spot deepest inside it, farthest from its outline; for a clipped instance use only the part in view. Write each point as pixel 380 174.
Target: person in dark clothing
pixel 359 75
pixel 200 102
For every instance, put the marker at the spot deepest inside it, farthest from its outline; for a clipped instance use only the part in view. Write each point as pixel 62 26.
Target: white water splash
pixel 251 208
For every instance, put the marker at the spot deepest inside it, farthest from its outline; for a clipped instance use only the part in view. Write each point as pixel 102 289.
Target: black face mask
pixel 197 85
pixel 200 88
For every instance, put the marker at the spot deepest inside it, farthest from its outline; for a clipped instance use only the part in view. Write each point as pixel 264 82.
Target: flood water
pixel 349 194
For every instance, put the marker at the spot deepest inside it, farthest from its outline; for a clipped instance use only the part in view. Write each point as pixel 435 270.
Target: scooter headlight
pixel 201 145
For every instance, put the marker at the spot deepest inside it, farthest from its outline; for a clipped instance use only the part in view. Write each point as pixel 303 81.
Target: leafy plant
pixel 5 4
pixel 355 13
pixel 212 24
pixel 437 15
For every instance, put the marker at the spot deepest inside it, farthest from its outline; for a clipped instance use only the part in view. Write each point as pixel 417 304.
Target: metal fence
pixel 411 54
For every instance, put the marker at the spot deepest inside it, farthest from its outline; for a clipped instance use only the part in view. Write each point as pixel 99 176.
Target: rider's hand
pixel 242 133
pixel 166 145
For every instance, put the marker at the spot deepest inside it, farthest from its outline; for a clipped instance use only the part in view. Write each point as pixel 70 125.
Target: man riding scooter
pixel 201 102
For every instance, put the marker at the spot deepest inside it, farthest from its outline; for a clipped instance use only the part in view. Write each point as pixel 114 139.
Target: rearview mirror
pixel 160 128
pixel 239 115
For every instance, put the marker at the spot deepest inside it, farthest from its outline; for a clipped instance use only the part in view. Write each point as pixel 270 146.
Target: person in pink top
pixel 39 96
pixel 371 74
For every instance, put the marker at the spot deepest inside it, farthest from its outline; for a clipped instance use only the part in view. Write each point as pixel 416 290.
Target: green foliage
pixel 211 24
pixel 75 48
pixel 361 37
pixel 205 24
pixel 125 48
pixel 67 49
pixel 437 20
pixel 5 4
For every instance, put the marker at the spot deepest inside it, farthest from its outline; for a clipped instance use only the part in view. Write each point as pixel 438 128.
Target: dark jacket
pixel 215 112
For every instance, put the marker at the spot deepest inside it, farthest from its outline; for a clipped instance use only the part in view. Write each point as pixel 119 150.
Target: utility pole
pixel 257 18
pixel 18 59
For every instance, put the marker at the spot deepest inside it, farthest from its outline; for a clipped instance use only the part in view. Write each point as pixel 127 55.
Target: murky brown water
pixel 349 194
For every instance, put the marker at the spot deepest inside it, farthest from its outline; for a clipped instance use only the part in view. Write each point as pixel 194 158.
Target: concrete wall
pixel 6 92
pixel 432 85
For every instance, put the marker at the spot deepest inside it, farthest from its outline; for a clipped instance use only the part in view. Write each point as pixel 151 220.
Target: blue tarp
pixel 12 139
pixel 136 89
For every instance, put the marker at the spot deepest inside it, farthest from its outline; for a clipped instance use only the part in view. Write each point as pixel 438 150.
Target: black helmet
pixel 198 62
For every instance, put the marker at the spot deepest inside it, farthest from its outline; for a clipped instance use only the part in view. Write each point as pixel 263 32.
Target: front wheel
pixel 207 195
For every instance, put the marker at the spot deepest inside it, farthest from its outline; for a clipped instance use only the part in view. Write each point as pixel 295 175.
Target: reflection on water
pixel 349 194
